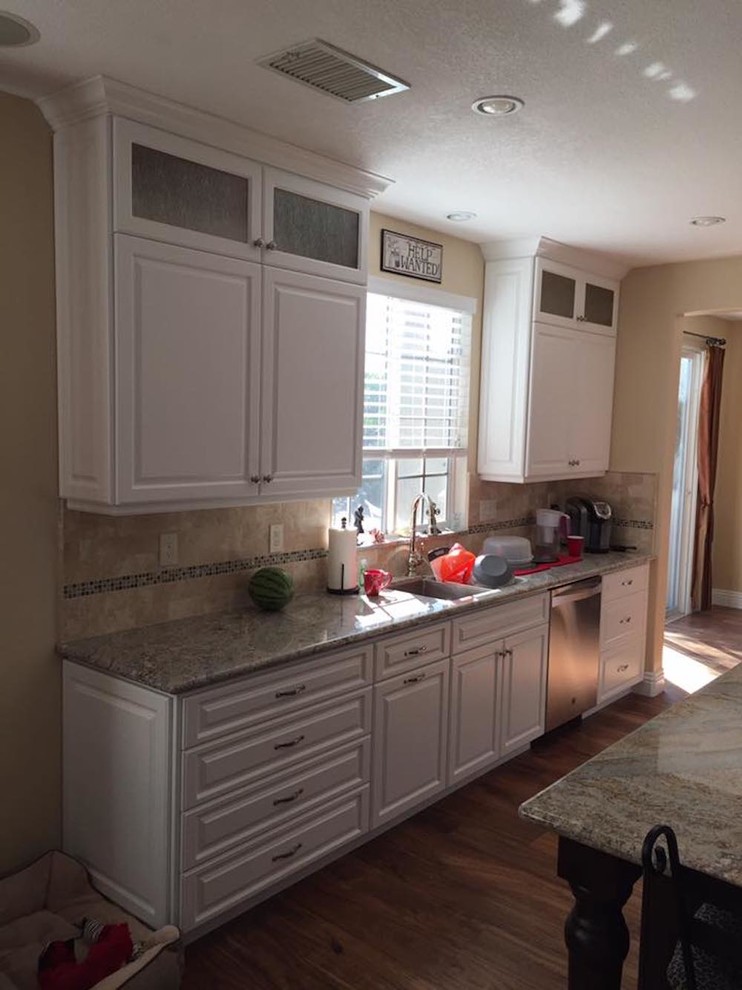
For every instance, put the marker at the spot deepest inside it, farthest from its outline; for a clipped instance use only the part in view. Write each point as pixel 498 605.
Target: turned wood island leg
pixel 595 931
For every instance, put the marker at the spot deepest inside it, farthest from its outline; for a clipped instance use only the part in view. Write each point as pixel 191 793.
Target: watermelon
pixel 271 588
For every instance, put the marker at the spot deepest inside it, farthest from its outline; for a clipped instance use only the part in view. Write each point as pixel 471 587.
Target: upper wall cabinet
pixel 183 192
pixel 548 356
pixel 210 308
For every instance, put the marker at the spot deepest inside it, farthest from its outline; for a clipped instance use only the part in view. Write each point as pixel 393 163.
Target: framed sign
pixel 411 256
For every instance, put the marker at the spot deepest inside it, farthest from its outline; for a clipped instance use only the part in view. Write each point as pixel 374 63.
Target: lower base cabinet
pixel 410 740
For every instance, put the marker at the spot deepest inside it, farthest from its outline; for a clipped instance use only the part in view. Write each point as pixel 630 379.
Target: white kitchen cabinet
pixel 180 191
pixel 312 384
pixel 498 700
pixel 623 629
pixel 566 296
pixel 118 777
pixel 187 373
pixel 571 403
pixel 546 392
pixel 410 740
pixel 210 308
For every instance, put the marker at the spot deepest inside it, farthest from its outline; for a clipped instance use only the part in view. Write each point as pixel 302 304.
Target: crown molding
pixel 544 247
pixel 100 95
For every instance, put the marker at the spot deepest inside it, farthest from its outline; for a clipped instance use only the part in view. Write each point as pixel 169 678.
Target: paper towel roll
pixel 342 566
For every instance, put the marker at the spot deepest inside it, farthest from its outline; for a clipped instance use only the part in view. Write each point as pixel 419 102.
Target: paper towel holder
pixel 342 590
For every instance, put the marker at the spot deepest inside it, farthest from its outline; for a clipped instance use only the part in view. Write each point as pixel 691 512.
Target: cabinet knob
pixel 255 478
pixel 267 478
pixel 622 668
pixel 258 242
pixel 271 246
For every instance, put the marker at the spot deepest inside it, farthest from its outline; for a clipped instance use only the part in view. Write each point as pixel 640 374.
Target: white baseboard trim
pixel 729 599
pixel 652 684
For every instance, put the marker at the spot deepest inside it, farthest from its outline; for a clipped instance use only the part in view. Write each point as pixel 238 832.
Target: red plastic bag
pixel 457 565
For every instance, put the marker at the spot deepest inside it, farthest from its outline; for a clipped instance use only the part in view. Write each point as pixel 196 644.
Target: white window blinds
pixel 417 377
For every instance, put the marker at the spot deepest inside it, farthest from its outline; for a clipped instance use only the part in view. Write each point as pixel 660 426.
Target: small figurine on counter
pixel 358 519
pixel 434 528
pixel 377 535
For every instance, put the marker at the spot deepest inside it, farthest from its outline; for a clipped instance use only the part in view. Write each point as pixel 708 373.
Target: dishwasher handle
pixel 576 592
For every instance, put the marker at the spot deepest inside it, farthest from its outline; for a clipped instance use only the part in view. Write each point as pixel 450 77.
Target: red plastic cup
pixel 575 545
pixel 375 580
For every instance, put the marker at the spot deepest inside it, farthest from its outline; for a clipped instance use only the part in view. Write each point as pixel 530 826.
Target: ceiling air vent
pixel 331 70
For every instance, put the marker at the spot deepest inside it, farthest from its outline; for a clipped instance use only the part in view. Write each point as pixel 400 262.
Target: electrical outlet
pixel 275 541
pixel 168 549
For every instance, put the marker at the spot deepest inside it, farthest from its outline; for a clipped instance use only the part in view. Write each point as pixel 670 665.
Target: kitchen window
pixel 416 408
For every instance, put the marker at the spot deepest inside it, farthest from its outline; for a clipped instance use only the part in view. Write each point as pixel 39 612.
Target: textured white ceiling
pixel 602 157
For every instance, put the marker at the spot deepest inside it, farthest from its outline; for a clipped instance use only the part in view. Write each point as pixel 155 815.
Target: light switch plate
pixel 275 541
pixel 168 549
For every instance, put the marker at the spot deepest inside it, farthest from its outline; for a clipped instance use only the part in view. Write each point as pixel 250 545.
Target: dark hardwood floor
pixel 464 896
pixel 713 637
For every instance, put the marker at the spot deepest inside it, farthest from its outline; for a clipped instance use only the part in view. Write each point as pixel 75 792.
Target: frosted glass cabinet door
pixel 187 326
pixel 313 228
pixel 179 191
pixel 312 384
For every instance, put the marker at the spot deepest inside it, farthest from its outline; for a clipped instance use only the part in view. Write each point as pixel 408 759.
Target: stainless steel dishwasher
pixel 574 651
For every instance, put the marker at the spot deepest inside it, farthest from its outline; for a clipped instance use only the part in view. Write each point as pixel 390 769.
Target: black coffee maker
pixel 592 519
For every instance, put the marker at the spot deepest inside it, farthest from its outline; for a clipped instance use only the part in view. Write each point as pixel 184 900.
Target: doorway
pixel 684 483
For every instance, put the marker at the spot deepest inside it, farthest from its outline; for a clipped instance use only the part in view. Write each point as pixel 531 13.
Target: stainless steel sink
pixel 430 588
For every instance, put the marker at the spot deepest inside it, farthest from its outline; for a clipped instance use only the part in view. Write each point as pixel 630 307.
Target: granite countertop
pixel 186 654
pixel 683 768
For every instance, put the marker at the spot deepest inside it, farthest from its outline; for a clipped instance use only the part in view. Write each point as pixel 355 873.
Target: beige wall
pixel 727 558
pixel 653 300
pixel 29 670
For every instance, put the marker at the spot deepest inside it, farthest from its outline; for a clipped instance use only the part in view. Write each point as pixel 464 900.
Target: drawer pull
pixel 289 854
pixel 626 584
pixel 289 798
pixel 414 680
pixel 291 743
pixel 625 621
pixel 292 692
pixel 416 651
pixel 622 668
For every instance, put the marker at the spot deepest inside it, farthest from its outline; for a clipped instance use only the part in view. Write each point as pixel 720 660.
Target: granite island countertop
pixel 683 768
pixel 186 654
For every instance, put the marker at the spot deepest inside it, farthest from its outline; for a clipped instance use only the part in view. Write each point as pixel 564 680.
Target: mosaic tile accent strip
pixel 172 574
pixel 491 527
pixel 634 523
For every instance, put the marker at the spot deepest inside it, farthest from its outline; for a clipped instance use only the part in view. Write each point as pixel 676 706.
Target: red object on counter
pixel 567 559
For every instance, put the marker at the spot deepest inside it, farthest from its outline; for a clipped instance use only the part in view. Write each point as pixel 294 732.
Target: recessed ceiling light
pixel 497 106
pixel 707 221
pixel 15 31
pixel 460 215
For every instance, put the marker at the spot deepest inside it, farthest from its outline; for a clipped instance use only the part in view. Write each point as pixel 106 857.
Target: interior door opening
pixel 684 484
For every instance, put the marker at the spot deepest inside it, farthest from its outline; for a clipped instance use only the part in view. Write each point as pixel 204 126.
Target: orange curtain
pixel 708 449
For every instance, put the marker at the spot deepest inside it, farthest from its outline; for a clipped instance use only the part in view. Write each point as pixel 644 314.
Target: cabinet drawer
pixel 239 705
pixel 212 770
pixel 498 621
pixel 396 654
pixel 214 889
pixel 622 616
pixel 217 827
pixel 621 666
pixel 626 582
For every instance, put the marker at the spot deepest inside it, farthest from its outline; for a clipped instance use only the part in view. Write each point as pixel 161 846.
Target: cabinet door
pixel 598 308
pixel 182 192
pixel 552 402
pixel 313 228
pixel 312 385
pixel 474 737
pixel 410 736
pixel 556 293
pixel 523 704
pixel 187 333
pixel 591 397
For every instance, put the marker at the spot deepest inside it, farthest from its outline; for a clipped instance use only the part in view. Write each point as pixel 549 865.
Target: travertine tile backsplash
pixel 112 579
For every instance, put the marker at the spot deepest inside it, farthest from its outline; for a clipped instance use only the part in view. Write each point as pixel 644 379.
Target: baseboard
pixel 729 599
pixel 652 684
